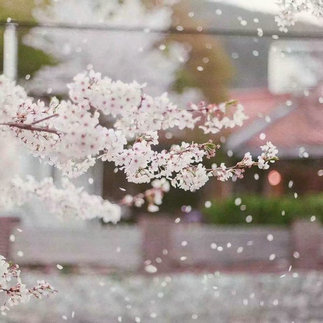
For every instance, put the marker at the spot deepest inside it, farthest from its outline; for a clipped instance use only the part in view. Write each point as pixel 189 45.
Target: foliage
pixel 29 59
pixel 265 210
pixel 16 10
pixel 208 67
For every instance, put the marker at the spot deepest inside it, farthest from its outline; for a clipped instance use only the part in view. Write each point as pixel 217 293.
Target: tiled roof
pixel 289 126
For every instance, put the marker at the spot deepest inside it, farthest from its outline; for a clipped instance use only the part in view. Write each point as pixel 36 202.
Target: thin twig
pixel 44 119
pixel 30 127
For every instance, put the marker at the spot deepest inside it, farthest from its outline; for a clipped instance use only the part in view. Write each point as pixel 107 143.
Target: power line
pixel 173 30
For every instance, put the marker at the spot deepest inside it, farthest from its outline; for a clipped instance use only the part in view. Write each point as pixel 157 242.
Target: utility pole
pixel 10 51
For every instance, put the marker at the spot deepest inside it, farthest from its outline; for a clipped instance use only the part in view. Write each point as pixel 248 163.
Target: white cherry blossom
pixel 13 291
pixel 269 155
pixel 191 178
pixel 67 201
pixel 290 9
pixel 69 135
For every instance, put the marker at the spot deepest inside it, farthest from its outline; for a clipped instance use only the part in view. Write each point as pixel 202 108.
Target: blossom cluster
pixel 289 9
pixel 269 154
pixel 194 177
pixel 14 290
pixel 67 201
pixel 217 118
pixel 69 135
pixel 153 196
pixel 63 198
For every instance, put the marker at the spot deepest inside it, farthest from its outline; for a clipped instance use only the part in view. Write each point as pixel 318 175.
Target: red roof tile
pixel 301 126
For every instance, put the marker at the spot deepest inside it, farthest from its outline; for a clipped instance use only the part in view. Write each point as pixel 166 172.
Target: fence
pixel 168 246
pixel 7 225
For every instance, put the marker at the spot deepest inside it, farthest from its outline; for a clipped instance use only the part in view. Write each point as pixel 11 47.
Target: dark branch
pixel 30 127
pixel 45 119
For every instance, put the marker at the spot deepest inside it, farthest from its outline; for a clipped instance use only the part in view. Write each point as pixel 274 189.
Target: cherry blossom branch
pixel 30 127
pixel 134 133
pixel 196 176
pixel 153 196
pixel 67 201
pixel 46 118
pixel 15 291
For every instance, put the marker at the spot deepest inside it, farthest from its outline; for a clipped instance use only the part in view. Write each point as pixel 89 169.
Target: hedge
pixel 263 210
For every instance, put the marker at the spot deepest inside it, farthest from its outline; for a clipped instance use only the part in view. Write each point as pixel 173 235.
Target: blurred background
pixel 244 251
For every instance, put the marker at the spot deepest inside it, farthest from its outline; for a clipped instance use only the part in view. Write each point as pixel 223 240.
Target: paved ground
pixel 181 298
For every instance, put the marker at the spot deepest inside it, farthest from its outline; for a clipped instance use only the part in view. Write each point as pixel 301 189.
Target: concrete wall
pixel 167 246
pixel 112 246
pixel 228 245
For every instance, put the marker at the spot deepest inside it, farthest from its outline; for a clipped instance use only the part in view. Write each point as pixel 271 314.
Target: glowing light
pixel 274 178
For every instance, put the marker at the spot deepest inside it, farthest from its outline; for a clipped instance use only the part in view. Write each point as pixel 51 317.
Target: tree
pixel 68 135
pixel 208 66
pixel 121 54
pixel 142 56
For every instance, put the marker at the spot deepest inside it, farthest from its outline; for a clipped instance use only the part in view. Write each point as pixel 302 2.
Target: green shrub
pixel 273 211
pixel 30 59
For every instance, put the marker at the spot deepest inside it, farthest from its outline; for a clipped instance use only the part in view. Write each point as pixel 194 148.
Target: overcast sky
pixel 255 5
pixel 267 6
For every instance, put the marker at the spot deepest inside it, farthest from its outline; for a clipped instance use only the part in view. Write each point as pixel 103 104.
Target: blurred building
pixel 294 125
